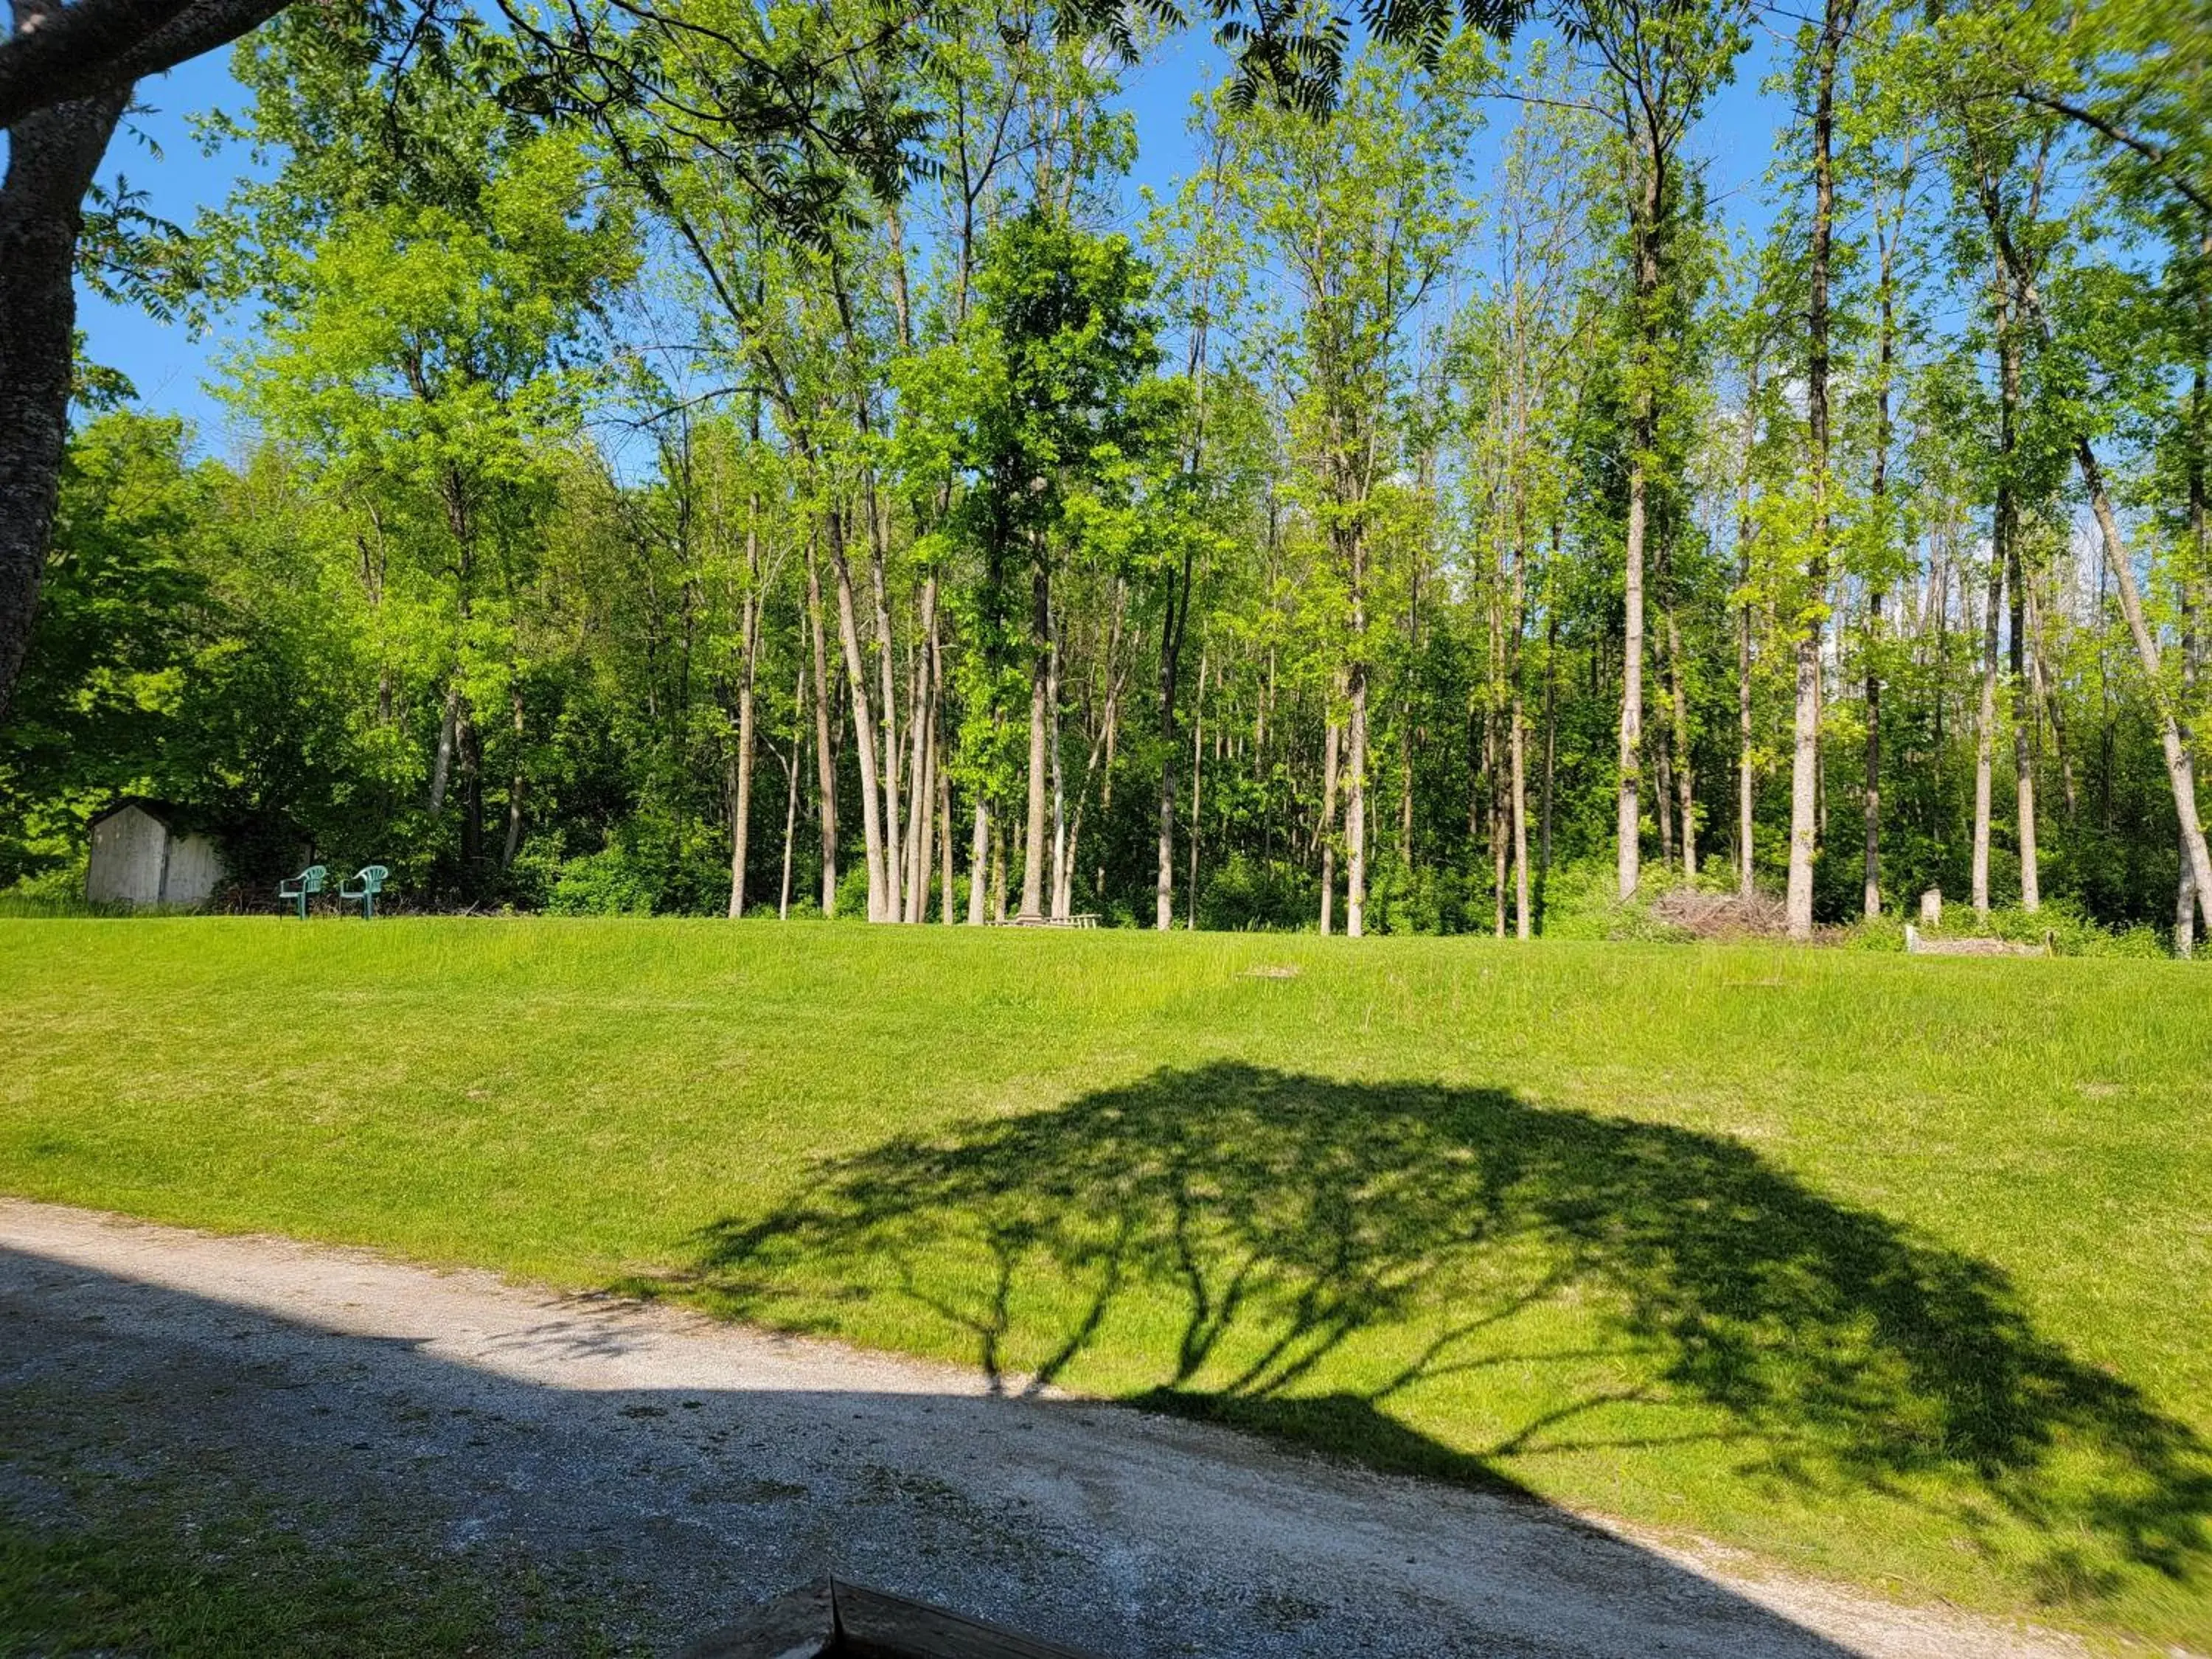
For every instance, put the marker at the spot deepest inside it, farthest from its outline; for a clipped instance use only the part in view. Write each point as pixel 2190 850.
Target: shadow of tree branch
pixel 1304 1256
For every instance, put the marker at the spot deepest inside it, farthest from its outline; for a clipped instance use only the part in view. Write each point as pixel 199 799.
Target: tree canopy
pixel 707 458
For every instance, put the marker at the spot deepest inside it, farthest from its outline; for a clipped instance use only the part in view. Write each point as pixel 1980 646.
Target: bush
pixel 2072 933
pixel 58 891
pixel 853 891
pixel 2062 922
pixel 1582 900
pixel 1246 894
pixel 1427 899
pixel 1839 884
pixel 610 882
pixel 536 871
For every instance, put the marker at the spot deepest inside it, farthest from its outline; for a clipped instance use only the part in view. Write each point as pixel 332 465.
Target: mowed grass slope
pixel 1895 1269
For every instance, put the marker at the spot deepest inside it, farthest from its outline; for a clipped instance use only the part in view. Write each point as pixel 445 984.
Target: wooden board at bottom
pixel 831 1617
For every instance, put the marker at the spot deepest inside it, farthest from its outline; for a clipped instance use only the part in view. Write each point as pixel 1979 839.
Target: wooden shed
pixel 146 852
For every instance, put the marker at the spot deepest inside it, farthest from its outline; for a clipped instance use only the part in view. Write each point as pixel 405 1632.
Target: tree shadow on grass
pixel 1319 1259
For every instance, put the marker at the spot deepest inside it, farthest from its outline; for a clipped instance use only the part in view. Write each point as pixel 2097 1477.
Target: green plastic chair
pixel 302 887
pixel 367 884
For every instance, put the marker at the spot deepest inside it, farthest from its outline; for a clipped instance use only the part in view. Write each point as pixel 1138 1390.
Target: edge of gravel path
pixel 590 1342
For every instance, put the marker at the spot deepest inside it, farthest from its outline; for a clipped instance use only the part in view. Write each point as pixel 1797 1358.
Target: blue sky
pixel 171 370
pixel 167 366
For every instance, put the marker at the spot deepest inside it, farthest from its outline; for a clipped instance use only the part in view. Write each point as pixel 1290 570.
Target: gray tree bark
pixel 1033 852
pixel 1746 777
pixel 1628 824
pixel 51 157
pixel 825 758
pixel 91 51
pixel 1805 755
pixel 1985 722
pixel 1332 746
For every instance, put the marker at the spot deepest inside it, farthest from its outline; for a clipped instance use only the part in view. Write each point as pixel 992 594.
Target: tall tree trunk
pixel 979 862
pixel 1176 620
pixel 864 724
pixel 921 795
pixel 741 763
pixel 1523 921
pixel 998 869
pixel 472 750
pixel 2175 739
pixel 1501 824
pixel 1171 636
pixel 1197 756
pixel 1645 250
pixel 921 725
pixel 2008 549
pixel 2185 908
pixel 2023 726
pixel 1032 909
pixel 791 788
pixel 1355 803
pixel 2174 736
pixel 1985 736
pixel 1408 728
pixel 1065 898
pixel 453 498
pixel 1060 882
pixel 515 782
pixel 449 728
pixel 790 764
pixel 1820 763
pixel 1628 857
pixel 945 824
pixel 51 157
pixel 1113 725
pixel 2200 545
pixel 1685 779
pixel 1355 887
pixel 929 797
pixel 892 900
pixel 825 758
pixel 2046 698
pixel 1885 355
pixel 1495 745
pixel 1331 748
pixel 1551 748
pixel 1870 896
pixel 1805 755
pixel 879 772
pixel 1746 776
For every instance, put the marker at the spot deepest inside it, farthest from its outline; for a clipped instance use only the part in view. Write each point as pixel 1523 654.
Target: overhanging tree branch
pixel 62 53
pixel 2162 160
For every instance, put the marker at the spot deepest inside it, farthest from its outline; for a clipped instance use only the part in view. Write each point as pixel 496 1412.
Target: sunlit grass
pixel 1891 1268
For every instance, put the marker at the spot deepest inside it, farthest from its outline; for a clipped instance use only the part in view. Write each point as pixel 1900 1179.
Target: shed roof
pixel 177 820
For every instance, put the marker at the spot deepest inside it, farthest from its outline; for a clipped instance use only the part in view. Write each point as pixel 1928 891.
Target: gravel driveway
pixel 700 1468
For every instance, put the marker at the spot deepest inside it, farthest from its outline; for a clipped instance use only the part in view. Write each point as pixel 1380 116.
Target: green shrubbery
pixel 608 883
pixel 1248 894
pixel 58 891
pixel 2061 923
pixel 1581 901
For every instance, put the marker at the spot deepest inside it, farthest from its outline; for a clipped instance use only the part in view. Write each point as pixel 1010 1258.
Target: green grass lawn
pixel 1894 1269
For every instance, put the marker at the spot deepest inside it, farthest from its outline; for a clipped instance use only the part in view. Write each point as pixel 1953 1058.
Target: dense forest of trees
pixel 1431 501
